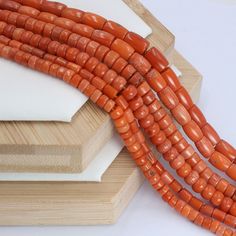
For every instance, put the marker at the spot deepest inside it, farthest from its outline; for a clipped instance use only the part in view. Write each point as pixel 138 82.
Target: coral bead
pixel 29 11
pixel 171 154
pixel 197 116
pixel 158 138
pixel 153 130
pixel 47 17
pixel 137 42
pixel 205 147
pixel 155 80
pixel 102 37
pixel 226 149
pixel 33 3
pixel 72 14
pixel 136 103
pixel 165 122
pixel 199 186
pixel 111 58
pixel 217 198
pixel 169 98
pixel 193 131
pixel 116 29
pixel 175 137
pixel 53 7
pixel 219 161
pixel 188 152
pixel 171 79
pixel 184 98
pixel 181 114
pixel 164 147
pixel 231 171
pixel 154 106
pixel 143 88
pixel 141 112
pixel 208 192
pixel 157 59
pixel 83 30
pixel 177 162
pixel 130 92
pixel 123 48
pixel 184 170
pixel 93 20
pixel 140 63
pixel 211 134
pixel 64 23
pixel 9 5
pixel 192 178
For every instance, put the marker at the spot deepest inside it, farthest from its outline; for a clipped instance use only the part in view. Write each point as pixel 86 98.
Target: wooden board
pixel 82 203
pixel 71 203
pixel 68 147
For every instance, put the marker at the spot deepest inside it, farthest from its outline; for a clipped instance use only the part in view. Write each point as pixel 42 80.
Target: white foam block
pixel 29 95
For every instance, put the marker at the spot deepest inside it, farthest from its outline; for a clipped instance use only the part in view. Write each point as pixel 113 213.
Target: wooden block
pixel 63 147
pixel 71 203
pixel 82 203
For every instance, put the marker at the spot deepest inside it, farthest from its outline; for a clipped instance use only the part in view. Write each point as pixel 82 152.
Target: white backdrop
pixel 206 35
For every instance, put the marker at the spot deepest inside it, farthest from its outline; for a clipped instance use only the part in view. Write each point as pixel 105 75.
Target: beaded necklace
pixel 132 82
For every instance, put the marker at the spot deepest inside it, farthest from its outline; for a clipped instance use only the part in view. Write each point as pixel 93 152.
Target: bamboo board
pixel 82 203
pixel 68 147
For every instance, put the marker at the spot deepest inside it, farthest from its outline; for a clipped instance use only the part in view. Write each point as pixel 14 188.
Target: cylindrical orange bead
pixel 155 80
pixel 137 42
pixel 193 131
pixel 156 58
pixel 184 98
pixel 181 114
pixel 211 134
pixel 140 63
pixel 197 116
pixel 116 29
pixel 226 149
pixel 205 147
pixel 169 98
pixel 171 79
pixel 219 161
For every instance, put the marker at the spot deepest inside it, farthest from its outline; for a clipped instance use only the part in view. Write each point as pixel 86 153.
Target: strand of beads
pixel 160 114
pixel 218 158
pixel 101 25
pixel 123 124
pixel 112 58
pixel 167 178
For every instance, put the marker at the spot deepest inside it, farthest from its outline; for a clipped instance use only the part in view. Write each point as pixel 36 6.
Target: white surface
pixel 29 95
pixel 93 172
pixel 214 54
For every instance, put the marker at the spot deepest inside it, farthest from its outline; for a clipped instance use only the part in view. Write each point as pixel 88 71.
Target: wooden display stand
pixel 79 203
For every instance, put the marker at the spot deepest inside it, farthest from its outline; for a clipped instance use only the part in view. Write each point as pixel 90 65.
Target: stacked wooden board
pixel 63 147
